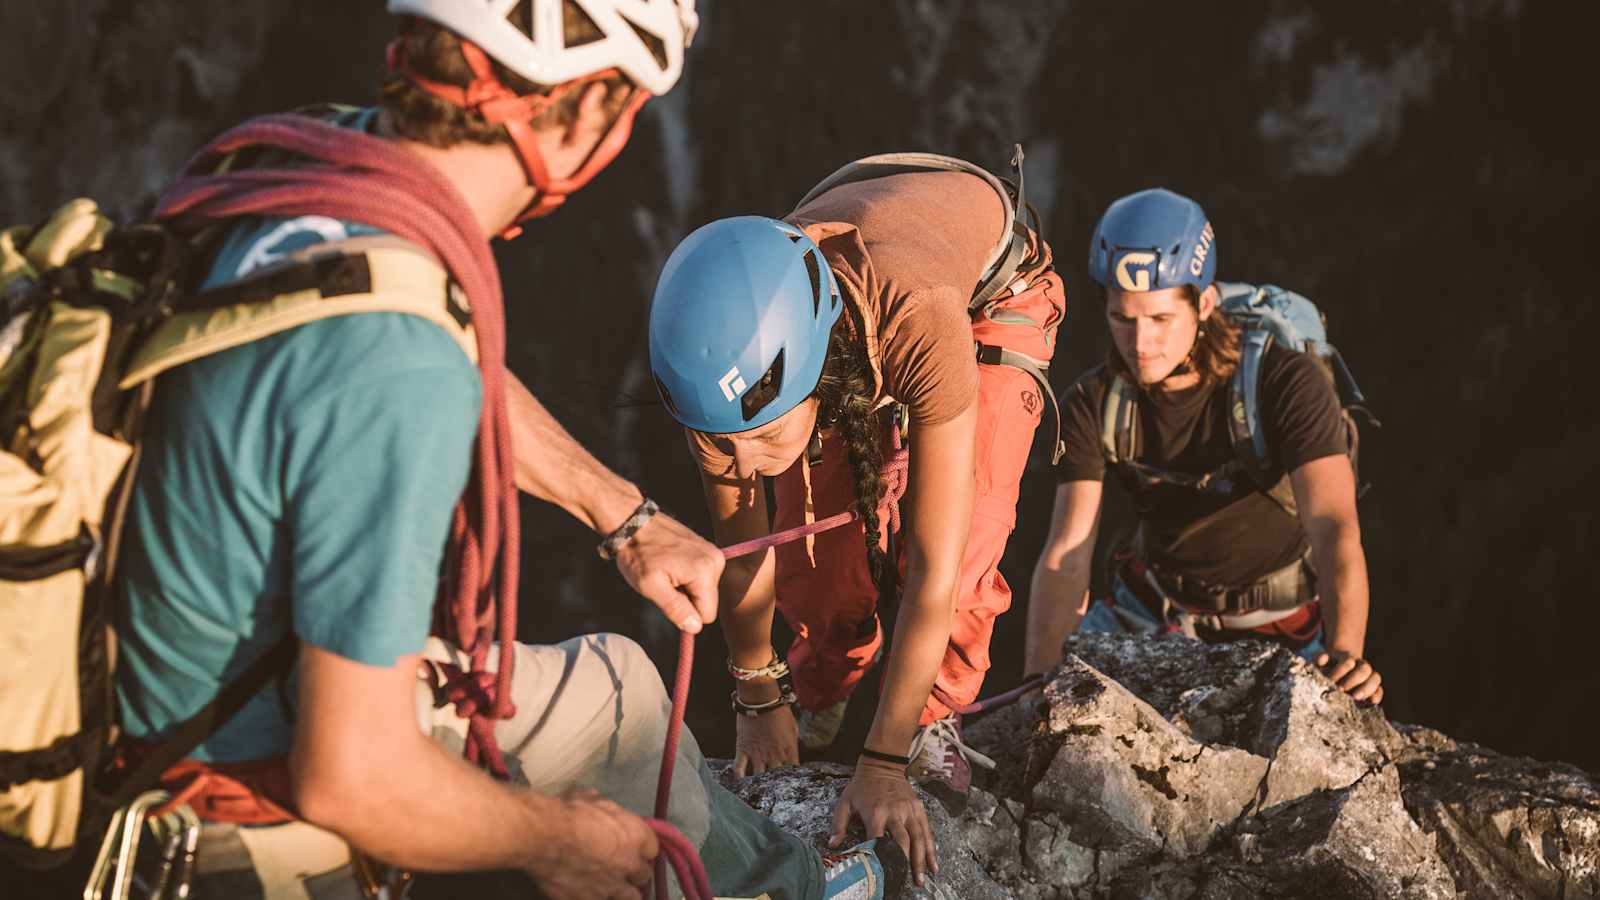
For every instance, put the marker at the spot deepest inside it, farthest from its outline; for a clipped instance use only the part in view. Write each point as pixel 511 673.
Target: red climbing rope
pixel 895 476
pixel 344 174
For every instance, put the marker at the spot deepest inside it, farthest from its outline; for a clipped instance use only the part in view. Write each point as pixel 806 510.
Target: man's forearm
pixel 553 466
pixel 1056 601
pixel 456 817
pixel 1337 552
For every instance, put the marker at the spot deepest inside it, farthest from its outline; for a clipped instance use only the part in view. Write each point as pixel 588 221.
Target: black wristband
pixel 616 540
pixel 870 753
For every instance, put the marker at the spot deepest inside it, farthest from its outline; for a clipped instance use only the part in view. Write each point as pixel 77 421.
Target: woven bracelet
pixel 775 669
pixel 618 539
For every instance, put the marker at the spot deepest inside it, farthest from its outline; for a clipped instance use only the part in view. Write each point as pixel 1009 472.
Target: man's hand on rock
pixel 1353 675
pixel 606 852
pixel 675 569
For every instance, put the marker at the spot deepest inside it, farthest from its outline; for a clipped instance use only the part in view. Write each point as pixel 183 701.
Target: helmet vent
pixel 521 17
pixel 763 391
pixel 577 26
pixel 666 396
pixel 815 271
pixel 1175 248
pixel 793 238
pixel 656 46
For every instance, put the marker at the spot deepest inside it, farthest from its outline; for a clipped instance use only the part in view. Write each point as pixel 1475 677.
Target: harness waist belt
pixel 1281 591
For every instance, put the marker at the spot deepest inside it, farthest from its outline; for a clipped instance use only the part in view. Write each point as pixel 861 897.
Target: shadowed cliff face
pixel 1416 169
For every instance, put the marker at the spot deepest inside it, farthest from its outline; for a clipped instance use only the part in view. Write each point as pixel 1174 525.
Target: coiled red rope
pixel 345 174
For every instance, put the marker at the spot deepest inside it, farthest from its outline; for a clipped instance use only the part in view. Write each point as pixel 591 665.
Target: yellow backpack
pixel 90 314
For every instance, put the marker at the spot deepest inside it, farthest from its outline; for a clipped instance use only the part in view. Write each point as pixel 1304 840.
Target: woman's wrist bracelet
pixel 775 669
pixel 870 753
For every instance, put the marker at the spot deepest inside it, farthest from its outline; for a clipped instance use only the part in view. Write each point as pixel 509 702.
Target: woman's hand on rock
pixel 765 741
pixel 882 797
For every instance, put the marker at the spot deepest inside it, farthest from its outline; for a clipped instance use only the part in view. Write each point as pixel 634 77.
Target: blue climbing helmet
pixel 739 324
pixel 1152 240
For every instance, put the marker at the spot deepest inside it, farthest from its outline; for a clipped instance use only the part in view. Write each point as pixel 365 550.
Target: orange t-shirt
pixel 908 251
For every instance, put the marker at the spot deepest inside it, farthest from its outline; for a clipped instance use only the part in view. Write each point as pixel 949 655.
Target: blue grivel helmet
pixel 739 324
pixel 1152 240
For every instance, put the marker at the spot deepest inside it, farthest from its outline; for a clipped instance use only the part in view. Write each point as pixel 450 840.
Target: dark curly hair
pixel 434 52
pixel 845 398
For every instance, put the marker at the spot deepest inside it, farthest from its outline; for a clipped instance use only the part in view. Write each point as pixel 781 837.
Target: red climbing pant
pixel 825 590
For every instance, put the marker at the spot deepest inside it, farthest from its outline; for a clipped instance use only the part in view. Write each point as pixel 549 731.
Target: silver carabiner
pixel 127 830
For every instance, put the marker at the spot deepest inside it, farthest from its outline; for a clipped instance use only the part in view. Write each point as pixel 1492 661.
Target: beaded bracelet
pixel 775 669
pixel 630 526
pixel 786 697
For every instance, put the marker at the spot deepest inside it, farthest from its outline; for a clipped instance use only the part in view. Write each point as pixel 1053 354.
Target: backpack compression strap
pixel 356 276
pixel 992 355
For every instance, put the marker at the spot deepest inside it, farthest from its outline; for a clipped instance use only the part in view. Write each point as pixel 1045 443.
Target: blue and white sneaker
pixel 871 870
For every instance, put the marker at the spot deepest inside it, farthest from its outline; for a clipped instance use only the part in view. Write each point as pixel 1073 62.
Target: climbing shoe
pixel 941 763
pixel 818 728
pixel 871 870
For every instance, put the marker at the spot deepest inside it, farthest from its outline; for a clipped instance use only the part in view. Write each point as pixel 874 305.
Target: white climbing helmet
pixel 527 37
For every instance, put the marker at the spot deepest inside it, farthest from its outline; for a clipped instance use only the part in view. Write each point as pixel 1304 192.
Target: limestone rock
pixel 1254 696
pixel 1507 827
pixel 1124 778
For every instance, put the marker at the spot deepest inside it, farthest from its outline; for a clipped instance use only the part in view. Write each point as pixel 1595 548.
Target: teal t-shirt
pixel 304 481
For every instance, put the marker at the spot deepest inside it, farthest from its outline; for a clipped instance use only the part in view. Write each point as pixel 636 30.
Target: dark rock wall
pixel 1420 169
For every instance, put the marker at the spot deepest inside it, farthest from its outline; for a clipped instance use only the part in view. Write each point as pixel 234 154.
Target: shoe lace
pixel 932 745
pixel 836 864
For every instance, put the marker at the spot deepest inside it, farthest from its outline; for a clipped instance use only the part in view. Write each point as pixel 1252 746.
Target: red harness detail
pixel 489 97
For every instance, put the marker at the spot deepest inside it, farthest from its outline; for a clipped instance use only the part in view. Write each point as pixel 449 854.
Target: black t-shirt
pixel 1246 534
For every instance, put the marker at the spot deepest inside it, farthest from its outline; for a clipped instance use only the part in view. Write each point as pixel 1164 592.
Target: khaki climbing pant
pixel 591 712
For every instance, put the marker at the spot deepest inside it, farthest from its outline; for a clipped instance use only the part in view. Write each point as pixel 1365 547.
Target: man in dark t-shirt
pixel 1221 552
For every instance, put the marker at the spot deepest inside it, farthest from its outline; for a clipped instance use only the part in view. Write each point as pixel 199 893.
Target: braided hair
pixel 845 400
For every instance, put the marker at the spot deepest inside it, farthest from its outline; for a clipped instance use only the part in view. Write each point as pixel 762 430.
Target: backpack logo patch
pixel 732 384
pixel 1134 269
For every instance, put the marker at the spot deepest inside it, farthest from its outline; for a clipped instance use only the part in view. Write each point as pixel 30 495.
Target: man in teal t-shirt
pixel 272 494
pixel 304 484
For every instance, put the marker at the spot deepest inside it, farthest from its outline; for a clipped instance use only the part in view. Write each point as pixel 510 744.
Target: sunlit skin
pixel 772 448
pixel 939 516
pixel 1154 332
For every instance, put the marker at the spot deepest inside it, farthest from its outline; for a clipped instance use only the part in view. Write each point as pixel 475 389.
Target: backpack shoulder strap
pixel 1244 421
pixel 378 274
pixel 1010 247
pixel 1119 421
pixel 1244 402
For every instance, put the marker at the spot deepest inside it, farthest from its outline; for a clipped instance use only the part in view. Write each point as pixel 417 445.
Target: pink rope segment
pixel 344 174
pixel 675 848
